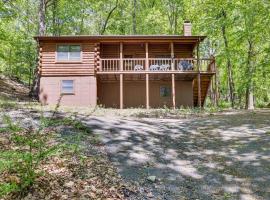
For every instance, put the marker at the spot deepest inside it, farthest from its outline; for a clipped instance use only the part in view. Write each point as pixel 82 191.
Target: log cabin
pixel 124 71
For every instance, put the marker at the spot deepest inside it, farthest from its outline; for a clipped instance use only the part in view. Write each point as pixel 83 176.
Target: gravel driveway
pixel 215 157
pixel 224 156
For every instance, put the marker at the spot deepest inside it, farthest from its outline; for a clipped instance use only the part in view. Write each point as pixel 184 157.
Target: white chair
pixel 138 67
pixel 164 67
pixel 154 67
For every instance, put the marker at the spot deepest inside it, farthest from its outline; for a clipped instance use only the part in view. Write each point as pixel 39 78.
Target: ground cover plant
pixel 51 160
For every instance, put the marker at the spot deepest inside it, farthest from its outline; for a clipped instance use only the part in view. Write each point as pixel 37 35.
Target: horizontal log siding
pixel 135 50
pixel 159 50
pixel 50 67
pixel 110 50
pixel 156 50
pixel 183 51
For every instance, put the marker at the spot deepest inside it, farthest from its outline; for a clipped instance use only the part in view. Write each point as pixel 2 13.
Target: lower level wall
pixel 135 94
pixel 85 92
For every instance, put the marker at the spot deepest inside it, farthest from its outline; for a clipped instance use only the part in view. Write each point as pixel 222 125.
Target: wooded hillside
pixel 238 35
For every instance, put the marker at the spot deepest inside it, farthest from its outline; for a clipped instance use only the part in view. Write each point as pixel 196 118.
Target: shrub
pixel 29 147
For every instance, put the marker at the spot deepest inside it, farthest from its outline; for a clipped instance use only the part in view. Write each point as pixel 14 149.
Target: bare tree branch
pixel 108 17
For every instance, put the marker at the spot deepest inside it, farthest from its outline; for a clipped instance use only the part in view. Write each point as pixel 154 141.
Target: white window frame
pixel 68 59
pixel 73 87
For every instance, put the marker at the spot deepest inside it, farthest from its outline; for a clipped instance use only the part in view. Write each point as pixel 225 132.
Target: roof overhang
pixel 122 38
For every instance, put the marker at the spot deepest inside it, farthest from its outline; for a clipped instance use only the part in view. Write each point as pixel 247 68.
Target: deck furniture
pixel 138 67
pixel 154 67
pixel 164 67
pixel 185 65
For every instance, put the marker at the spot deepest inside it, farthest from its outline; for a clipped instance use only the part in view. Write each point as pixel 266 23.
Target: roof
pixel 104 38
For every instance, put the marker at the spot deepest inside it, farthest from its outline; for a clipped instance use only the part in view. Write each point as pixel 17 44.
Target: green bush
pixel 31 147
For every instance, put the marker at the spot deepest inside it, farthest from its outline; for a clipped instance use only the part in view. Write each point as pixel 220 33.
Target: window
pixel 67 87
pixel 165 91
pixel 68 53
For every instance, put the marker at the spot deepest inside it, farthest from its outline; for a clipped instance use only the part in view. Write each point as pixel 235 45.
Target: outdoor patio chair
pixel 184 65
pixel 164 67
pixel 138 67
pixel 154 67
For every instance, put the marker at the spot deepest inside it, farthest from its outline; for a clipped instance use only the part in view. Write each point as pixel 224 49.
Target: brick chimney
pixel 187 28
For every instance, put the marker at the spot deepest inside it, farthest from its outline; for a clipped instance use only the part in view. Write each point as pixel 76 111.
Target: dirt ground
pixel 217 156
pixel 13 90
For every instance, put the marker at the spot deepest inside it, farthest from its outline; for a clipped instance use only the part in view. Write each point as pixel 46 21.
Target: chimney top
pixel 187 28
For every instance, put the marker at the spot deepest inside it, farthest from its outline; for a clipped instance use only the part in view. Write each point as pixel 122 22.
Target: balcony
pixel 156 65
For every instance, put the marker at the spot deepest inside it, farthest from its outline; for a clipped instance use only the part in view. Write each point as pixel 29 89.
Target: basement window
pixel 165 91
pixel 67 87
pixel 68 53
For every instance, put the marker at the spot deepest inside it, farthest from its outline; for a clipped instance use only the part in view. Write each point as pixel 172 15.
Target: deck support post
pixel 147 75
pixel 172 56
pixel 173 90
pixel 121 91
pixel 147 91
pixel 121 56
pixel 199 77
pixel 199 90
pixel 173 75
pixel 121 76
pixel 216 84
pixel 146 56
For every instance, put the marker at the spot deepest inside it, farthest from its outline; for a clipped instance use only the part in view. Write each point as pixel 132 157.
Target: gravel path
pixel 224 156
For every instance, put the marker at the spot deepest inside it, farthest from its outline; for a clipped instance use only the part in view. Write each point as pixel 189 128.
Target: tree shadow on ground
pixel 213 157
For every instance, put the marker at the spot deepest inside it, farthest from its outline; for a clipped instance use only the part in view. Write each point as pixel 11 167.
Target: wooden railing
pixel 112 64
pixel 160 64
pixel 133 64
pixel 193 64
pixel 157 64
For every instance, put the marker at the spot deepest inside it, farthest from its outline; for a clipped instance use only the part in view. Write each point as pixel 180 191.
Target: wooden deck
pixel 117 62
pixel 155 65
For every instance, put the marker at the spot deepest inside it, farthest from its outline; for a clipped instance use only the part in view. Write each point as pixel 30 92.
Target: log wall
pixel 49 66
pixel 137 50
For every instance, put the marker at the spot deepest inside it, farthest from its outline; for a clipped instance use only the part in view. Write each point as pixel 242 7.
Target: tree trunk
pixel 134 23
pixel 250 69
pixel 41 31
pixel 41 16
pixel 171 7
pixel 229 64
pixel 107 18
pixel 249 98
pixel 265 94
pixel 54 16
pixel 175 23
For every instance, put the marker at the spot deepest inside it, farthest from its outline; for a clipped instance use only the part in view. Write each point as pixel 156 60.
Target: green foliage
pixel 31 147
pixel 7 104
pixel 10 125
pixel 6 188
pixel 245 23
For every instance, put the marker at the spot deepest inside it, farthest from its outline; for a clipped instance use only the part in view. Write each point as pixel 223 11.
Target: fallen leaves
pixel 70 175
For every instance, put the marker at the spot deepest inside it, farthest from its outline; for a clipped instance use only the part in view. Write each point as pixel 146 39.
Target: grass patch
pixel 7 104
pixel 174 113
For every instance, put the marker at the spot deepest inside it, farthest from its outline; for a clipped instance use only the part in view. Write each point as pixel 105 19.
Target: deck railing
pixel 111 64
pixel 133 64
pixel 157 64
